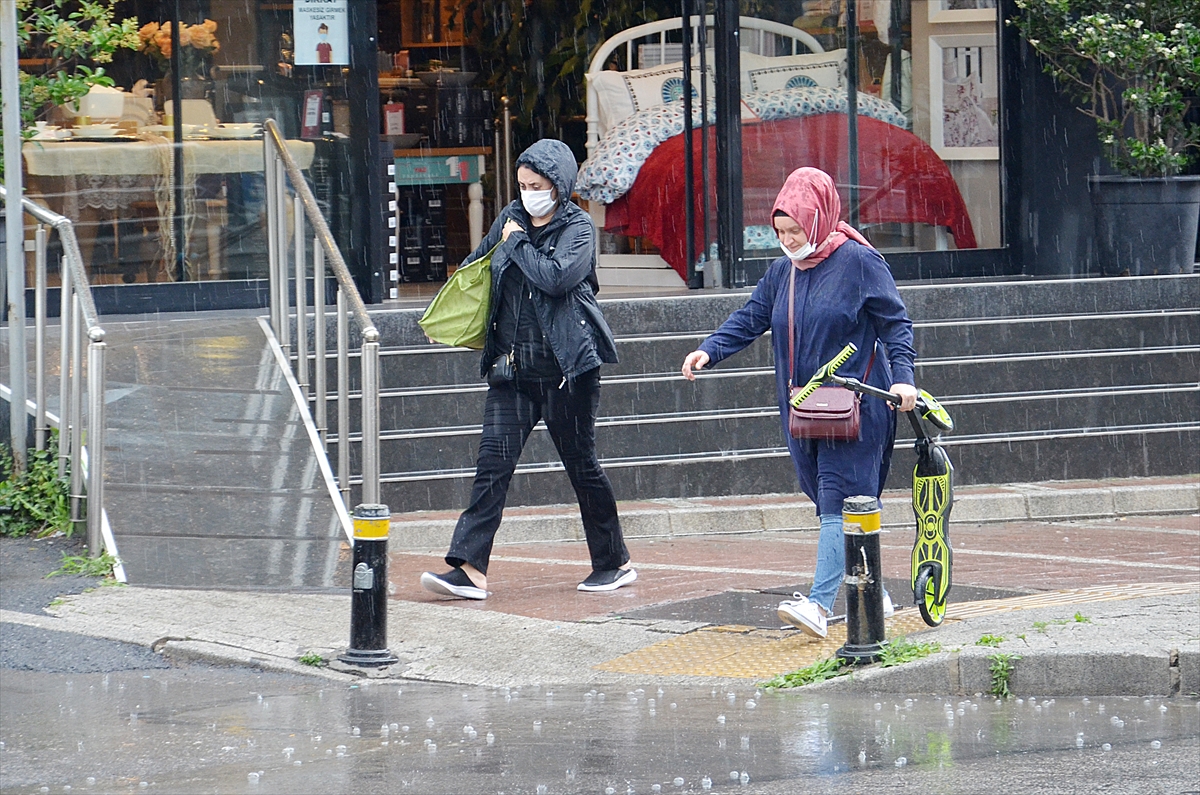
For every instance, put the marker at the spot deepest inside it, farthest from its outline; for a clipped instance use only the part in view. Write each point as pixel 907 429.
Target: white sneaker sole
pixel 434 584
pixel 801 623
pixel 625 579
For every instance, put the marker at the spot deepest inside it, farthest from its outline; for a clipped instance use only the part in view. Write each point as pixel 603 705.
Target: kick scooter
pixel 933 487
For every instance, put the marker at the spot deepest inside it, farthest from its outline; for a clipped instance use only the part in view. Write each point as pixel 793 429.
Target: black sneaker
pixel 453 583
pixel 609 580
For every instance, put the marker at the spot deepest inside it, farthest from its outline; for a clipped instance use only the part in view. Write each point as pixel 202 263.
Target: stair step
pixel 1065 454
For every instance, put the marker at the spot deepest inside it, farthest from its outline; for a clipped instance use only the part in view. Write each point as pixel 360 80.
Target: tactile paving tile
pixel 1072 596
pixel 743 652
pixel 740 652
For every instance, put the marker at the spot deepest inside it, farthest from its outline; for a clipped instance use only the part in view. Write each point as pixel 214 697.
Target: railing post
pixel 269 166
pixel 301 298
pixel 95 488
pixel 65 335
pixel 370 416
pixel 76 409
pixel 319 374
pixel 284 331
pixel 343 397
pixel 39 337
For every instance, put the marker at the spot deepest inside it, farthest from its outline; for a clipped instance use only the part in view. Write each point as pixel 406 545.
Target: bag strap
pixel 792 326
pixel 792 334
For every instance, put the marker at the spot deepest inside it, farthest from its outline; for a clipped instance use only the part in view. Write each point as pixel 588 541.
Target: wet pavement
pixel 234 731
pixel 685 575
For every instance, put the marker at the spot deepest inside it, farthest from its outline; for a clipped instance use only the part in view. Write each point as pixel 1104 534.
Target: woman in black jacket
pixel 546 341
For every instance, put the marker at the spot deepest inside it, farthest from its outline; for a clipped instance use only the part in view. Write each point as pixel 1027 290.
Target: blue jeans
pixel 831 562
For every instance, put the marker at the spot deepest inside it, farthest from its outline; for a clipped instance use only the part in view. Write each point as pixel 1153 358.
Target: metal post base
pixel 368 658
pixel 861 654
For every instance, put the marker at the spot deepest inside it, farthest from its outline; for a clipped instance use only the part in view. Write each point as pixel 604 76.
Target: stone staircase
pixel 1046 380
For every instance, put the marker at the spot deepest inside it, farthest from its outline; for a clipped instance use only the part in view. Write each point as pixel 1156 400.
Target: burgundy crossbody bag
pixel 831 413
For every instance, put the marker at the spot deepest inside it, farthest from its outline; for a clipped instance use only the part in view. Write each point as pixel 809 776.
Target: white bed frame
pixel 651 272
pixel 762 36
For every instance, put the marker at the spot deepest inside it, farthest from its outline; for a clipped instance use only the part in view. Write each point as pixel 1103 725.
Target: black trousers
pixel 509 415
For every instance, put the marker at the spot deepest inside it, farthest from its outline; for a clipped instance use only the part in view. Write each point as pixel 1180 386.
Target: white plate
pixel 85 132
pixel 220 132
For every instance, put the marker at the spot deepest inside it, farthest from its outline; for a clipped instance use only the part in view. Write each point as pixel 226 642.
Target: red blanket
pixel 902 179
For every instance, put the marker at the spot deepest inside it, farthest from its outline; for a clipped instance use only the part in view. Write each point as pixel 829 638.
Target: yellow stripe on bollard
pixel 371 528
pixel 869 522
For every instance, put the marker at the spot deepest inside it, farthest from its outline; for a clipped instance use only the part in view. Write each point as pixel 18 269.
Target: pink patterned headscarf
pixel 810 192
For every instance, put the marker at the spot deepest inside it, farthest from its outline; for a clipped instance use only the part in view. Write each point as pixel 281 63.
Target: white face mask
pixel 538 203
pixel 805 251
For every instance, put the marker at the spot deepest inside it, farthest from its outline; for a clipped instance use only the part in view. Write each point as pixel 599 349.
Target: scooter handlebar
pixel 825 373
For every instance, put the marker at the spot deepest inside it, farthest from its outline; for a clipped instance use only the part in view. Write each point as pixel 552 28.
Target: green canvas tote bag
pixel 458 314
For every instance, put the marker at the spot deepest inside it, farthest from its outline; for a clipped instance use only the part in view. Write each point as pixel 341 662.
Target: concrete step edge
pixel 711 516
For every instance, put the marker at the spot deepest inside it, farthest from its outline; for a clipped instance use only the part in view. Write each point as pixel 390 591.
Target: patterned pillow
pixel 814 70
pixel 621 94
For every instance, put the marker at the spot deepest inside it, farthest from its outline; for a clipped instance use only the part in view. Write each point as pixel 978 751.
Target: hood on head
pixel 553 160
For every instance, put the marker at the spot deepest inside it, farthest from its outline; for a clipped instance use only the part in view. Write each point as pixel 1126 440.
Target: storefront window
pixel 926 114
pixel 109 161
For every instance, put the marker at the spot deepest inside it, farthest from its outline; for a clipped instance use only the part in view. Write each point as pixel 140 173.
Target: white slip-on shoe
pixel 453 583
pixel 805 615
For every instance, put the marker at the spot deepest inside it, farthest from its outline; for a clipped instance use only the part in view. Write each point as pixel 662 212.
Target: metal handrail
pixel 279 164
pixel 77 316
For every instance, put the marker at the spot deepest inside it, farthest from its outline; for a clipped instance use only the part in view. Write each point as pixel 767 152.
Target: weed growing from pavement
pixel 817 672
pixel 990 640
pixel 1001 666
pixel 83 566
pixel 313 659
pixel 901 650
pixel 1041 626
pixel 36 502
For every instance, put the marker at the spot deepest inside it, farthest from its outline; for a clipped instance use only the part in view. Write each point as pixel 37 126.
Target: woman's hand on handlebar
pixel 696 361
pixel 907 394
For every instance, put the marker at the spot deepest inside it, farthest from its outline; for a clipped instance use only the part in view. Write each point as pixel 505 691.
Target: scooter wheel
pixel 931 609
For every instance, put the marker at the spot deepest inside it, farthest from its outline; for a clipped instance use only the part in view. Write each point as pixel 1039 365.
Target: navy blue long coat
pixel 849 297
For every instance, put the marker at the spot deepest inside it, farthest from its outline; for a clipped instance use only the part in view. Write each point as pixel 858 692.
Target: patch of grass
pixel 83 566
pixel 36 502
pixel 1080 618
pixel 313 659
pixel 901 650
pixel 990 640
pixel 1001 666
pixel 817 672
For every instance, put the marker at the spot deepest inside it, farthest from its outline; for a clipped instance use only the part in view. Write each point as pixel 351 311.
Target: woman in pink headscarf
pixel 842 291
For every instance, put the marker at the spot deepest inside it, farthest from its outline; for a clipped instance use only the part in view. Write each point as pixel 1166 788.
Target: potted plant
pixel 57 39
pixel 1134 67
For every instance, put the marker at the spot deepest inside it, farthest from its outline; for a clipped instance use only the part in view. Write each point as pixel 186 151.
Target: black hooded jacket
pixel 560 269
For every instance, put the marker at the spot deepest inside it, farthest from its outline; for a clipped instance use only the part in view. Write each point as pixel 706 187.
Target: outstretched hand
pixel 696 360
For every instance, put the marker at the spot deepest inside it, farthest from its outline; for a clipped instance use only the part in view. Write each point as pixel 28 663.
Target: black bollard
pixel 865 632
pixel 368 600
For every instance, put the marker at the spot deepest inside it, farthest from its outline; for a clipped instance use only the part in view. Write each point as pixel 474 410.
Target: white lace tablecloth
pixel 130 158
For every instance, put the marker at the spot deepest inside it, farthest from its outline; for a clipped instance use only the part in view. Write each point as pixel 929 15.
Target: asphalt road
pixel 24 566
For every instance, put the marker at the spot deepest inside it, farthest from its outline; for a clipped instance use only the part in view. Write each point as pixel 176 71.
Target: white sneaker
pixel 805 615
pixel 889 609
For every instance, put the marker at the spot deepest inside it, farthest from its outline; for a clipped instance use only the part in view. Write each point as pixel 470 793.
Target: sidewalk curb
pixel 1036 674
pixel 1064 501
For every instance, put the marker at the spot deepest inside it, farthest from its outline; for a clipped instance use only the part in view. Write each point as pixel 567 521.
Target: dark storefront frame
pixel 1045 209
